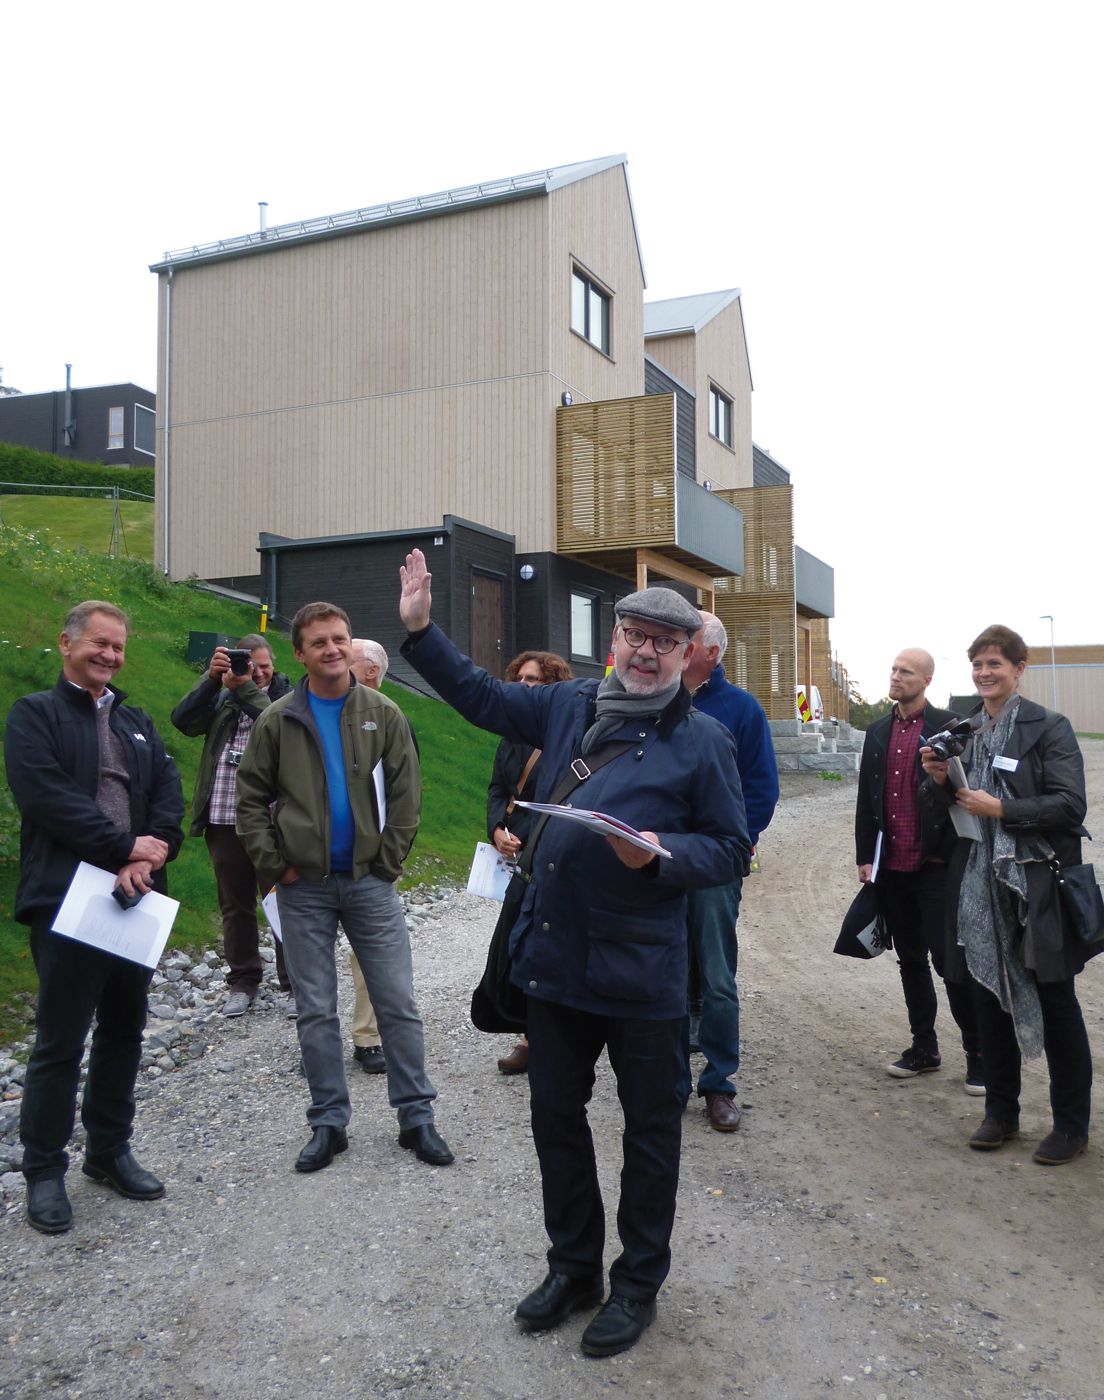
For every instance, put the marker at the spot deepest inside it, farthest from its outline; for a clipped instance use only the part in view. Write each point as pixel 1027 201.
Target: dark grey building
pixel 111 423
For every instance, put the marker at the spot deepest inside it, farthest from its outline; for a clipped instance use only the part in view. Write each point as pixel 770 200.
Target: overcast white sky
pixel 909 197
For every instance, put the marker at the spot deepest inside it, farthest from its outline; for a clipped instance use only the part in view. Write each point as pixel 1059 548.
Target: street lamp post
pixel 1046 617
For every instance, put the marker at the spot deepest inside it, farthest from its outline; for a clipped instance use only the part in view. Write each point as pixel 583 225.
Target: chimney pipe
pixel 69 429
pixel 262 204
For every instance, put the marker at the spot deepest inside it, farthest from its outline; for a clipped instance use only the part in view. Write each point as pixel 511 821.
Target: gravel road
pixel 844 1242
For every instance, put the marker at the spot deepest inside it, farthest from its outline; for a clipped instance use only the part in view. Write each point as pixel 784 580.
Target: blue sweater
pixel 744 718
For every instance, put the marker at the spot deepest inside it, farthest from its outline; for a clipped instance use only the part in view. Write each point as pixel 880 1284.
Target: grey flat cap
pixel 660 605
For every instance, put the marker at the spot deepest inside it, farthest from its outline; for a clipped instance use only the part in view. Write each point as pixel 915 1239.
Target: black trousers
pixel 1069 1059
pixel 564 1046
pixel 914 905
pixel 237 891
pixel 75 983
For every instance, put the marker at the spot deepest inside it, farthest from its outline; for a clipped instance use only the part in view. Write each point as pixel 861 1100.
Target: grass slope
pixel 39 584
pixel 70 522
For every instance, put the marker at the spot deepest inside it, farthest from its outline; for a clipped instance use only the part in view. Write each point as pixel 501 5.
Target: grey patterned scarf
pixel 992 902
pixel 615 705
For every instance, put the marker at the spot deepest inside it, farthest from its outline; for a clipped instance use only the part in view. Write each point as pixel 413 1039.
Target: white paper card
pixel 89 914
pixel 381 795
pixel 1006 765
pixel 598 821
pixel 271 908
pixel 490 872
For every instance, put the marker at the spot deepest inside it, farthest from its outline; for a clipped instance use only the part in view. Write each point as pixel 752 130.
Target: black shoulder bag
pixel 497 1004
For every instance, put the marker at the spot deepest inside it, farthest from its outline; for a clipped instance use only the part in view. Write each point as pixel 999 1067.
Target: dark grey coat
pixel 1046 793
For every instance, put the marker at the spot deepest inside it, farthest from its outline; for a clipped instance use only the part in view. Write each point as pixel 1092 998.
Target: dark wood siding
pixel 38 420
pixel 658 381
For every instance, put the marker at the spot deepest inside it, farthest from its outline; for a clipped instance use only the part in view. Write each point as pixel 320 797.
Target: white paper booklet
pixel 598 821
pixel 90 914
pixel 490 872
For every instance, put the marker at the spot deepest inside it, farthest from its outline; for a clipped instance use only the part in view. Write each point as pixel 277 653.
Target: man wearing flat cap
pixel 599 946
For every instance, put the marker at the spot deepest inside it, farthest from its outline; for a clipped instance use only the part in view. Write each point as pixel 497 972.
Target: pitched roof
pixel 686 315
pixel 401 211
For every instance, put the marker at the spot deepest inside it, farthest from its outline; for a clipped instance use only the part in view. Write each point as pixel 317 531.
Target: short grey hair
pixel 375 655
pixel 76 623
pixel 713 634
pixel 253 641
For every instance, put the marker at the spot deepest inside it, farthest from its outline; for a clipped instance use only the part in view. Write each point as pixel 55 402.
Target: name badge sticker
pixel 1006 765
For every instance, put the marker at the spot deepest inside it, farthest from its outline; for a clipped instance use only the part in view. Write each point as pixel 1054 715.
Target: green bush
pixel 25 465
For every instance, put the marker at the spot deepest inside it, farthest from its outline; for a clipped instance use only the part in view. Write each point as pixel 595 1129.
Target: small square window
pixel 116 432
pixel 590 311
pixel 584 625
pixel 720 416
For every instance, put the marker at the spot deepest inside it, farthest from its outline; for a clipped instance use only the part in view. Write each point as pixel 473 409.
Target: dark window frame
pixel 594 598
pixel 718 399
pixel 147 451
pixel 592 288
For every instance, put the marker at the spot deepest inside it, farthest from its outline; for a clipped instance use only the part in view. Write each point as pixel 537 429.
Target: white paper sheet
pixel 381 794
pixel 598 821
pixel 877 859
pixel 965 823
pixel 490 873
pixel 89 914
pixel 272 914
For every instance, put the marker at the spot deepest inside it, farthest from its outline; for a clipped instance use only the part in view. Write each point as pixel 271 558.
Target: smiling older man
pixel 600 943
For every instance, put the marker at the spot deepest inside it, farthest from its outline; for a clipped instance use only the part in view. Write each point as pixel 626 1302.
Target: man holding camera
pixel 912 847
pixel 223 705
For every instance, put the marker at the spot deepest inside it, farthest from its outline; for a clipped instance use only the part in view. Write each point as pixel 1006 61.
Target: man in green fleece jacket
pixel 329 791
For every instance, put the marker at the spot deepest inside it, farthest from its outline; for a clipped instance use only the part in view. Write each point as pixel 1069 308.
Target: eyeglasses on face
pixel 661 645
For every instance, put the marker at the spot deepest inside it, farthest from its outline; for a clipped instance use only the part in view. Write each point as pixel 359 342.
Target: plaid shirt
pixel 220 808
pixel 901 848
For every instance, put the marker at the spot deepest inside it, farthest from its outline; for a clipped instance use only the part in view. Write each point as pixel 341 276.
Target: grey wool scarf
pixel 615 705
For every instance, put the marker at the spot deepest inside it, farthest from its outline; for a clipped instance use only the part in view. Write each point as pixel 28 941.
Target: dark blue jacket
pixel 745 719
pixel 593 934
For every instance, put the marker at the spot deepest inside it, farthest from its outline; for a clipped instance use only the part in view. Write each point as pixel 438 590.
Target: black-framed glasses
pixel 661 645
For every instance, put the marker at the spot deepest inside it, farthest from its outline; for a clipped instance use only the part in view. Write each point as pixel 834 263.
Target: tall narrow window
pixel 144 419
pixel 584 625
pixel 590 311
pixel 116 435
pixel 720 416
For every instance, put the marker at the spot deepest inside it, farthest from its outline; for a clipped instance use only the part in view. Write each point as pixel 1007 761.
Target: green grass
pixel 70 522
pixel 39 584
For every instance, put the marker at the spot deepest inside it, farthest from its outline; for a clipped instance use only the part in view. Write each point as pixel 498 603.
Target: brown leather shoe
pixel 517 1061
pixel 723 1112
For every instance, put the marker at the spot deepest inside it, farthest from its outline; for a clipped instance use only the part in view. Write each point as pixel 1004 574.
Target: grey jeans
pixel 371 914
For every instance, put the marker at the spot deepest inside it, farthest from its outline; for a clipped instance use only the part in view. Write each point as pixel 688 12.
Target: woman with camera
pixel 514 776
pixel 1025 784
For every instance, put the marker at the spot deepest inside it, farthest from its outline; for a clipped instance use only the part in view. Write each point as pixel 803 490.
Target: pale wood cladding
pixel 380 380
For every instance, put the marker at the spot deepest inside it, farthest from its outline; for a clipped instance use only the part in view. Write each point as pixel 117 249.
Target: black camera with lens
pixel 240 660
pixel 950 742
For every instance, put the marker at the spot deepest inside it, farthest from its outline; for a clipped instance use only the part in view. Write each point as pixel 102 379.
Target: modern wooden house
pixel 108 423
pixel 476 372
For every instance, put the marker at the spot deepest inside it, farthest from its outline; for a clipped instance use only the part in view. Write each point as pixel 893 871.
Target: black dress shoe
pixel 554 1300
pixel 48 1208
pixel 617 1326
pixel 370 1058
pixel 427 1144
pixel 326 1142
pixel 123 1174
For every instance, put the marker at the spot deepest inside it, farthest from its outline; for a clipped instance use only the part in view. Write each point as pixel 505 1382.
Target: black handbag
pixel 497 1004
pixel 1081 901
pixel 863 932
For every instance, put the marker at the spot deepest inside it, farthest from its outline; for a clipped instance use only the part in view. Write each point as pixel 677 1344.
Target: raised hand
pixel 416 598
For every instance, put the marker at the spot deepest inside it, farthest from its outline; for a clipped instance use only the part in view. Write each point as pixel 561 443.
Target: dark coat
pixel 52 754
pixel 937 836
pixel 213 709
pixel 1046 793
pixel 593 934
pixel 509 764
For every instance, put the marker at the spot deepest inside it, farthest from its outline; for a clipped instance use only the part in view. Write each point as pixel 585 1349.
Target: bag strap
pixel 530 764
pixel 581 769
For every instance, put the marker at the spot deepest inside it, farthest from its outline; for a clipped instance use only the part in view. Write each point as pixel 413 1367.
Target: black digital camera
pixel 950 742
pixel 240 660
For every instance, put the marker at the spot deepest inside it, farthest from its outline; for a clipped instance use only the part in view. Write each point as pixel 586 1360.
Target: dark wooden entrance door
pixel 486 623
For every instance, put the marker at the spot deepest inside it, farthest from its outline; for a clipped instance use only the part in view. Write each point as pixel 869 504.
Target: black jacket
pixel 509 761
pixel 937 837
pixel 52 754
pixel 1045 793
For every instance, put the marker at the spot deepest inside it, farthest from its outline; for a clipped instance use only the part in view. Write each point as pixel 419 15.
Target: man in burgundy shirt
pixel 910 850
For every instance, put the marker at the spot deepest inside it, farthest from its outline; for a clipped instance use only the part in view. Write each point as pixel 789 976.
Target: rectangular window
pixel 144 421
pixel 720 416
pixel 590 311
pixel 116 439
pixel 584 625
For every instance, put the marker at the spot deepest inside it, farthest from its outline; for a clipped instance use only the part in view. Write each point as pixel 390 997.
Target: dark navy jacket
pixel 745 719
pixel 593 934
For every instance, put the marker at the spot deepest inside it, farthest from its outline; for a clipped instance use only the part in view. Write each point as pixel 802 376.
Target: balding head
pixel 909 678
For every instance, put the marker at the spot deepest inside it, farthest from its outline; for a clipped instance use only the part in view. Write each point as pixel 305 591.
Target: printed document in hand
pixel 965 823
pixel 89 914
pixel 490 872
pixel 271 908
pixel 597 821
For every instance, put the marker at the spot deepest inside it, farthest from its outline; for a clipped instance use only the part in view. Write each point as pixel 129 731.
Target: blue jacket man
pixel 600 943
pixel 714 1001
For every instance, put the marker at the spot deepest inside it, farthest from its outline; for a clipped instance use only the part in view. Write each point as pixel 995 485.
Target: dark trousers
pixel 1069 1059
pixel 564 1046
pixel 237 891
pixel 75 983
pixel 914 906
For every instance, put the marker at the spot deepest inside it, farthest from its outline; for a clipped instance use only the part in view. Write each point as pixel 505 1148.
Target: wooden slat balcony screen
pixel 758 609
pixel 615 475
pixel 828 674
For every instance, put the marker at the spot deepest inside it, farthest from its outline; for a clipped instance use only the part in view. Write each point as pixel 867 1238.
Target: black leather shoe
pixel 554 1300
pixel 370 1058
pixel 48 1208
pixel 992 1133
pixel 617 1326
pixel 427 1144
pixel 326 1142
pixel 123 1174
